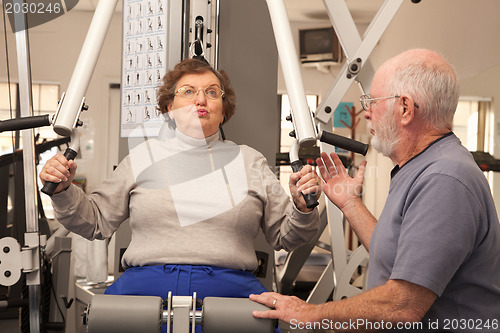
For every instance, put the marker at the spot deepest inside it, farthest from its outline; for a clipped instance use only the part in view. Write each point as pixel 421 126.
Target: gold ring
pixel 274 303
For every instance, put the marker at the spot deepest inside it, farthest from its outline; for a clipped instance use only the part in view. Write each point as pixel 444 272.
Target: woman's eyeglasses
pixel 212 92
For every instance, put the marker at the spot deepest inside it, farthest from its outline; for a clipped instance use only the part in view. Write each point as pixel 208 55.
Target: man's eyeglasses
pixel 367 101
pixel 212 92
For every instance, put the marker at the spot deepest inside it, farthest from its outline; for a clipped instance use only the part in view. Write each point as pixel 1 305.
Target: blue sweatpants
pixel 184 280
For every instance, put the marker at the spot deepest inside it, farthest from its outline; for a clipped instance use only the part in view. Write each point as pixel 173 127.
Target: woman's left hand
pixel 305 181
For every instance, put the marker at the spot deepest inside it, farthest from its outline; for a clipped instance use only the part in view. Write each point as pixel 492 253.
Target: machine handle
pixel 24 123
pixel 49 187
pixel 344 143
pixel 310 198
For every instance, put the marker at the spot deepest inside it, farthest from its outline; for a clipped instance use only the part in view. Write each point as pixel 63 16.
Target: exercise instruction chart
pixel 144 64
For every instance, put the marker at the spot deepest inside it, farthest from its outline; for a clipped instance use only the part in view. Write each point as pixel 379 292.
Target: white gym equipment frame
pixel 357 68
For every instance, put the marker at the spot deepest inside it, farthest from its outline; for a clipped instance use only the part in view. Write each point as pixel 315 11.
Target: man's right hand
pixel 338 186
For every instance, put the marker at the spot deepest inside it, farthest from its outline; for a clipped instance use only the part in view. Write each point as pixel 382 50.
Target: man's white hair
pixel 431 81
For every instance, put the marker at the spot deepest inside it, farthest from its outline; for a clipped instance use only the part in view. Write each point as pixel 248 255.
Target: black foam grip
pixel 24 123
pixel 49 187
pixel 310 198
pixel 344 143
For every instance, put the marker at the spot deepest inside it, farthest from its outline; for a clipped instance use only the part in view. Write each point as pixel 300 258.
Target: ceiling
pixel 90 5
pixel 362 11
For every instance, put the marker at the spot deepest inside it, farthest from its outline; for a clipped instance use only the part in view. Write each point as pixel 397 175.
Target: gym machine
pixel 309 128
pixel 15 260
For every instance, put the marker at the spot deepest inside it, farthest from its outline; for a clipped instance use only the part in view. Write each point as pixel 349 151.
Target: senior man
pixel 435 250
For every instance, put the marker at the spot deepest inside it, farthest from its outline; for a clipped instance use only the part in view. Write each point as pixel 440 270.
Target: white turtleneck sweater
pixel 189 201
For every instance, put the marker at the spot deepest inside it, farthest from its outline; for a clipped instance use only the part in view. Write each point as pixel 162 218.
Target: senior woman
pixel 195 202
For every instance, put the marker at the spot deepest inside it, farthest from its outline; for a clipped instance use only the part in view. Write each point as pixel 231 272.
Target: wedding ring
pixel 274 303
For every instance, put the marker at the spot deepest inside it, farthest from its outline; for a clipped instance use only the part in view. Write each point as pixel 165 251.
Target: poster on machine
pixel 144 64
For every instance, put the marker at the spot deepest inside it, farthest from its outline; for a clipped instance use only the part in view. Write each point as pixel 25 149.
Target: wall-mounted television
pixel 319 45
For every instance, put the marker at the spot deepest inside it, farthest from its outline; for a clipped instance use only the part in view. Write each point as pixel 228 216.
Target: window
pixel 45 99
pixel 473 125
pixel 6 105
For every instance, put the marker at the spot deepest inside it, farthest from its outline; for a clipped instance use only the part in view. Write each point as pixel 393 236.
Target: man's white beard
pixel 386 135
